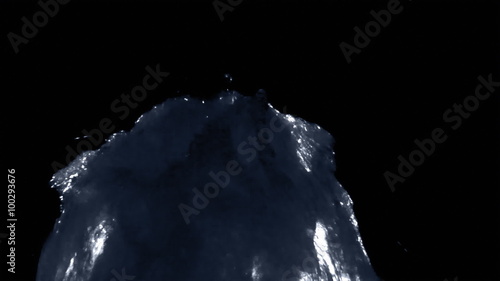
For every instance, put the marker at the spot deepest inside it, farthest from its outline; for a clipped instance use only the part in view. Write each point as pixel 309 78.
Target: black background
pixel 442 222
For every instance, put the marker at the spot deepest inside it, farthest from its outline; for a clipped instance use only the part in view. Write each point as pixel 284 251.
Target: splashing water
pixel 221 189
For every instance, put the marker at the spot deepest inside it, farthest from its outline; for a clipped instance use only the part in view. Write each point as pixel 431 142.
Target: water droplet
pixel 228 80
pixel 228 77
